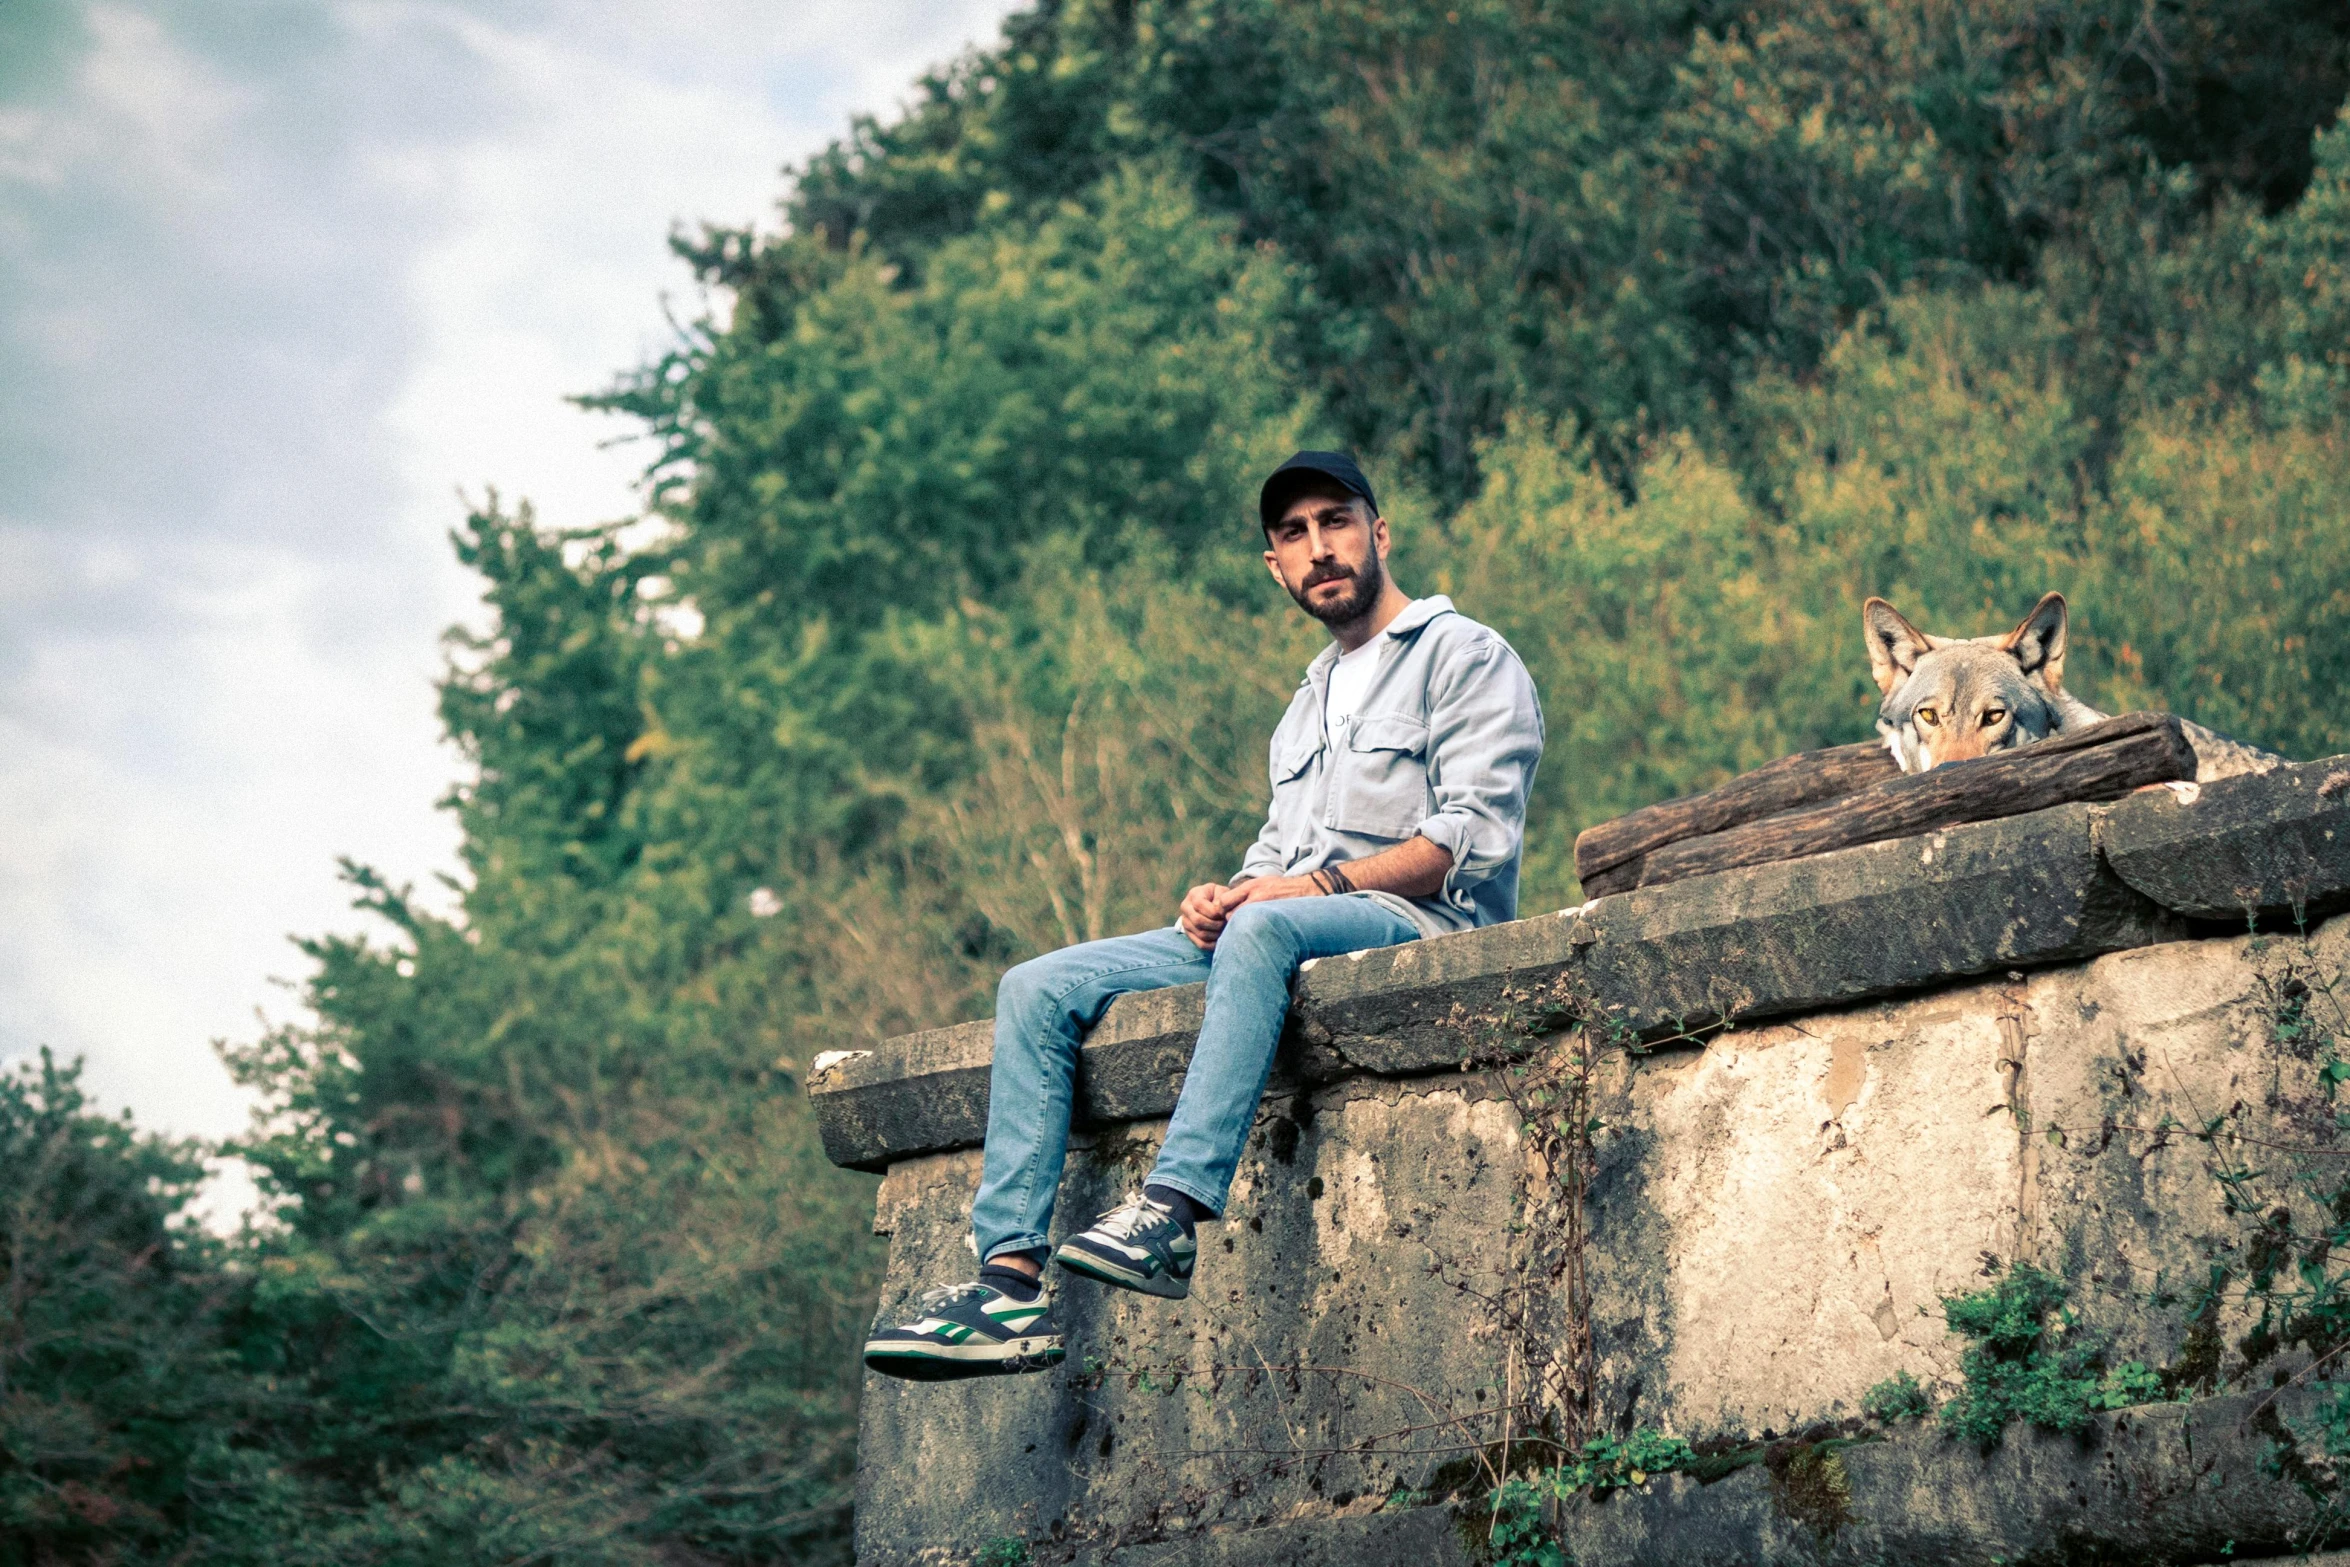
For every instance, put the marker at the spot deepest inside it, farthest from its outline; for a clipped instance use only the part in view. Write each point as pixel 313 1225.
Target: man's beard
pixel 1368 584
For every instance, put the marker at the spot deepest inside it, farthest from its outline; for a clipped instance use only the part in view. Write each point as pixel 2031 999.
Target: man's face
pixel 1330 553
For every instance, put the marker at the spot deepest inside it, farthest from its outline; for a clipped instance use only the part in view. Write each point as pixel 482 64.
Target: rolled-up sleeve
pixel 1484 742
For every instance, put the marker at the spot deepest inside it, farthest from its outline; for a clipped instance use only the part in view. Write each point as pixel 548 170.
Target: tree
pixel 109 1369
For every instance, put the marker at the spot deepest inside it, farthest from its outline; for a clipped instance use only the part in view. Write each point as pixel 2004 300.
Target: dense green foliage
pixel 1899 1397
pixel 1670 331
pixel 2028 1358
pixel 107 1361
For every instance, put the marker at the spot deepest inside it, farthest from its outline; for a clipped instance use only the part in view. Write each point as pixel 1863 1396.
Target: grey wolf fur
pixel 1950 698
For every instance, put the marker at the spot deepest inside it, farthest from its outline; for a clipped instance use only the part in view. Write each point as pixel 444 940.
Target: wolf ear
pixel 1895 646
pixel 2038 644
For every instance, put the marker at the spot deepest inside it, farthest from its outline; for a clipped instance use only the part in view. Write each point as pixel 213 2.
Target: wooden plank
pixel 1787 784
pixel 2102 762
pixel 1616 878
pixel 1829 774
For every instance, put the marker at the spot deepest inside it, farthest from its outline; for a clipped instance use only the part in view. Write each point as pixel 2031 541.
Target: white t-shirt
pixel 1350 677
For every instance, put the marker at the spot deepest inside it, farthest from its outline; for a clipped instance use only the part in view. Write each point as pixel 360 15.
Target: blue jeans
pixel 1044 1006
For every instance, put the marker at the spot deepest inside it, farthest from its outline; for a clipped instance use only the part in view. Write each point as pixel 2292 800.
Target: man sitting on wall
pixel 1400 775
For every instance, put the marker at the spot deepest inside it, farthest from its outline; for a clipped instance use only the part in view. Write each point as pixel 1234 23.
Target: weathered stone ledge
pixel 2052 887
pixel 2160 1484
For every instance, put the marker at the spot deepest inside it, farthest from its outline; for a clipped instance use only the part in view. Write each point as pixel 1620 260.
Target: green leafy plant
pixel 2033 1361
pixel 1003 1551
pixel 2326 1429
pixel 2128 1385
pixel 1899 1397
pixel 1518 1537
pixel 1609 1463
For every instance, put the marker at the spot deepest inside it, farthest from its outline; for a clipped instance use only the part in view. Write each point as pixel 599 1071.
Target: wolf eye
pixel 1928 717
pixel 1994 716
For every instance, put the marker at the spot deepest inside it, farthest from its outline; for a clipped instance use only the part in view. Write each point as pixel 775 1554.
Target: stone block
pixel 1779 1214
pixel 1427 1005
pixel 1131 1066
pixel 912 1095
pixel 1870 921
pixel 927 1093
pixel 2165 1483
pixel 1420 1537
pixel 2272 846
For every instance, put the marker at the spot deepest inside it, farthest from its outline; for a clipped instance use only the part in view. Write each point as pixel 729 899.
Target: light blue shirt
pixel 1443 748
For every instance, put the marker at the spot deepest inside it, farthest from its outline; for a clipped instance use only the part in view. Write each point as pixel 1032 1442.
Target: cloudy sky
pixel 278 280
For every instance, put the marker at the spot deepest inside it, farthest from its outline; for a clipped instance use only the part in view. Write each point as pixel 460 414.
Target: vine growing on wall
pixel 1544 1047
pixel 1540 1297
pixel 2292 1275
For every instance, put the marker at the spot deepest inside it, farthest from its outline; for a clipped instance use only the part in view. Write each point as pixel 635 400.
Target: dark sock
pixel 1011 1281
pixel 1188 1210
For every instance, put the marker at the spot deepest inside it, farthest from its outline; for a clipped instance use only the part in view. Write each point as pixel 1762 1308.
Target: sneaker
pixel 968 1330
pixel 1137 1245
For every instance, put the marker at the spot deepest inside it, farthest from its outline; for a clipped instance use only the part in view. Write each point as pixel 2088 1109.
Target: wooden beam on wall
pixel 1787 784
pixel 2102 762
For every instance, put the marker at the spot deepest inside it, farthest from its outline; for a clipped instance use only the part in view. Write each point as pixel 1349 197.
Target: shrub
pixel 1899 1397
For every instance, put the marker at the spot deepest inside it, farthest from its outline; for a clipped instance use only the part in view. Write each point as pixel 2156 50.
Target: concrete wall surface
pixel 1776 1214
pixel 2167 1483
pixel 1781 1212
pixel 1314 1323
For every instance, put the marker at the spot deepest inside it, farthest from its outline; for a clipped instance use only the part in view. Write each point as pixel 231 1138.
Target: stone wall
pixel 1987 1045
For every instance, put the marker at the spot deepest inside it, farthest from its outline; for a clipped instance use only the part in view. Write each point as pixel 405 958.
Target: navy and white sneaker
pixel 1138 1245
pixel 968 1330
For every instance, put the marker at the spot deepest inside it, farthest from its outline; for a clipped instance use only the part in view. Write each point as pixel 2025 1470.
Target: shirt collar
pixel 1413 616
pixel 1417 614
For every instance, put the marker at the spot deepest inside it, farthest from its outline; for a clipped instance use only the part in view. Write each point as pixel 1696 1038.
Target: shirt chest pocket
pixel 1381 783
pixel 1291 762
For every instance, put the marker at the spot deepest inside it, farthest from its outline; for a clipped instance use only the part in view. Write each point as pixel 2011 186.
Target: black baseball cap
pixel 1338 468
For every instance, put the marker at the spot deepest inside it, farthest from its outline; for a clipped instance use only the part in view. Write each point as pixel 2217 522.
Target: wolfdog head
pixel 1950 698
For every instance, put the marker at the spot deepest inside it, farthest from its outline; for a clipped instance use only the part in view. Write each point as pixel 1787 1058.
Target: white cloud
pixel 24 156
pixel 270 295
pixel 544 281
pixel 161 105
pixel 173 826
